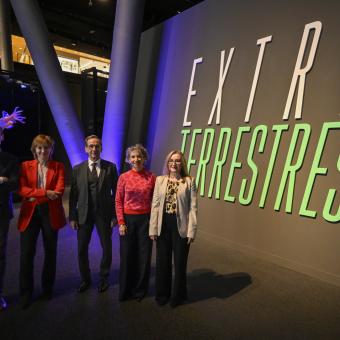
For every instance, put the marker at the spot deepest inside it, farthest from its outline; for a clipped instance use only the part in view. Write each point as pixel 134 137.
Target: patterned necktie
pixel 94 170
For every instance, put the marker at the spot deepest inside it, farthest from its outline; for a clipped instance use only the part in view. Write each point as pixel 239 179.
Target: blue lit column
pixel 5 37
pixel 51 77
pixel 125 44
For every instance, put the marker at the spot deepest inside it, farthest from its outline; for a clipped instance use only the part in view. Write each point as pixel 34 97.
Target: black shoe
pixel 85 285
pixel 102 286
pixel 162 301
pixel 139 298
pixel 175 303
pixel 25 301
pixel 3 303
pixel 46 295
pixel 124 297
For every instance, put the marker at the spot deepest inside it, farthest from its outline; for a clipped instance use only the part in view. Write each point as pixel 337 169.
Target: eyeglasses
pixel 94 146
pixel 177 161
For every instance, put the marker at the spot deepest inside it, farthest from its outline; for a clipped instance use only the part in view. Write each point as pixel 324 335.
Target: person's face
pixel 43 153
pixel 136 161
pixel 93 148
pixel 174 164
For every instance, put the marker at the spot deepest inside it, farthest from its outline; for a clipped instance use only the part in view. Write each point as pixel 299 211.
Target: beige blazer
pixel 186 207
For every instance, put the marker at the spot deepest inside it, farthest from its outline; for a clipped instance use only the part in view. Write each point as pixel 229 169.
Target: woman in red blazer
pixel 41 185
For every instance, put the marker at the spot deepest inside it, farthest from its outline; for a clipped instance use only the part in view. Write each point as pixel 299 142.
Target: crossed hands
pixel 52 195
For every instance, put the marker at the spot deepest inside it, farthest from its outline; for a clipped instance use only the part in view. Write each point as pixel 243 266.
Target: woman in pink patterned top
pixel 133 207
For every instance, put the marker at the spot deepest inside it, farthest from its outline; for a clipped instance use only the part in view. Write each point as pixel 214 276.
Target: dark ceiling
pixel 87 25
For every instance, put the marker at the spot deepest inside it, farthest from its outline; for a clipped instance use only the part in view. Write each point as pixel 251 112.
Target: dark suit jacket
pixel 55 180
pixel 9 168
pixel 79 194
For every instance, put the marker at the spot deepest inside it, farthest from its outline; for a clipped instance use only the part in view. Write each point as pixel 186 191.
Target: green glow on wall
pixel 234 163
pixel 191 160
pixel 204 160
pixel 219 162
pixel 243 198
pixel 317 170
pixel 185 133
pixel 259 137
pixel 278 129
pixel 290 170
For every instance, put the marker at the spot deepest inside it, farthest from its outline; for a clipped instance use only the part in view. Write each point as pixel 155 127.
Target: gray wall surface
pixel 274 232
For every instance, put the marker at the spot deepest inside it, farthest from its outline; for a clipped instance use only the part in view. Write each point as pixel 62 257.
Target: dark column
pixel 125 44
pixel 5 37
pixel 51 77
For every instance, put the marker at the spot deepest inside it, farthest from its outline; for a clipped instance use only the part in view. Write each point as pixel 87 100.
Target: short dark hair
pixel 93 136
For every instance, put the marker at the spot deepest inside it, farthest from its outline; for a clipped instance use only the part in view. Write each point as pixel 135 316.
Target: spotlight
pixel 23 86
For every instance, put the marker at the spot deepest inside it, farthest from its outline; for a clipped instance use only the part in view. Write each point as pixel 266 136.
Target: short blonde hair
pixel 43 140
pixel 184 168
pixel 139 148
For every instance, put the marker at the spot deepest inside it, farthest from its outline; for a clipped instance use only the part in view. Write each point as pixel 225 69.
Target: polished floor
pixel 232 296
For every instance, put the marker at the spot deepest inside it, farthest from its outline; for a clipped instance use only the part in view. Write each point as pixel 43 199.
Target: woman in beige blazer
pixel 173 225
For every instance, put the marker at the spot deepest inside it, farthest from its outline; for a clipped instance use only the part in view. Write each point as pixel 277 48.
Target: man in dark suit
pixel 92 195
pixel 9 173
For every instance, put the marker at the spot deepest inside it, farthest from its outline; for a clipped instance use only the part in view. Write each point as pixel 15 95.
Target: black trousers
pixel 4 227
pixel 28 241
pixel 135 257
pixel 84 234
pixel 167 243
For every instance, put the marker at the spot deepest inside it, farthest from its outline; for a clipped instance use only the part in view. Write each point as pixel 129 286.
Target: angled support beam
pixel 124 54
pixel 5 37
pixel 51 77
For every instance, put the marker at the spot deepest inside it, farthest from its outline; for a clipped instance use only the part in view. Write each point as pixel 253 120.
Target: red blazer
pixel 55 180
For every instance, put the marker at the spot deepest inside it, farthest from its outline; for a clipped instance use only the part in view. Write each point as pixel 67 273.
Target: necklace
pixel 174 178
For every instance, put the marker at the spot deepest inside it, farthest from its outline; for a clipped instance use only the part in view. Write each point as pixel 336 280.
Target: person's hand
pixel 3 179
pixel 122 230
pixel 52 195
pixel 114 222
pixel 190 240
pixel 74 225
pixel 153 237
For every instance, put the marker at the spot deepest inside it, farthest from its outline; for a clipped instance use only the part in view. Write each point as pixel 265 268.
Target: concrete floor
pixel 231 296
